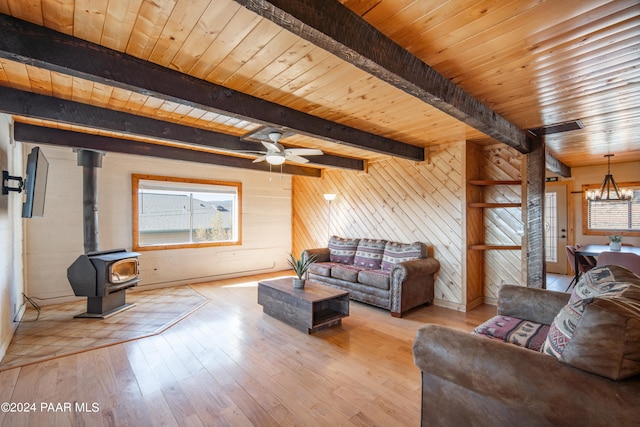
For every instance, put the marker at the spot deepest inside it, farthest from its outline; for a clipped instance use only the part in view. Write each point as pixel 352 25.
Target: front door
pixel 555 224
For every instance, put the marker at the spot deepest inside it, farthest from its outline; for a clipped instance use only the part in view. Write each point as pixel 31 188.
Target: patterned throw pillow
pixel 395 252
pixel 369 253
pixel 601 282
pixel 342 250
pixel 524 333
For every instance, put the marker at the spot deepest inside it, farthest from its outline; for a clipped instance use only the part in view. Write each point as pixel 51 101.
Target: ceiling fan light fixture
pixel 275 158
pixel 609 190
pixel 275 136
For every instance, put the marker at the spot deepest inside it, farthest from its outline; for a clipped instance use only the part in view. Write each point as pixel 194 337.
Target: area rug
pixel 54 332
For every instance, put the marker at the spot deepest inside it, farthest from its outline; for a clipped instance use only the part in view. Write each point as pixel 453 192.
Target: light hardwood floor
pixel 227 363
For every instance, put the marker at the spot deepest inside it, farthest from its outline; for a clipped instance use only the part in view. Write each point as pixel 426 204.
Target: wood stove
pixel 103 277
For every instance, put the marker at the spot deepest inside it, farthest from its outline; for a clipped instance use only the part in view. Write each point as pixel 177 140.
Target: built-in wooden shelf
pixel 489 205
pixel 495 247
pixel 493 182
pixel 494 205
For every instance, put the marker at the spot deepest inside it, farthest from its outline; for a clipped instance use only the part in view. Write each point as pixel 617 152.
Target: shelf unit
pixel 487 205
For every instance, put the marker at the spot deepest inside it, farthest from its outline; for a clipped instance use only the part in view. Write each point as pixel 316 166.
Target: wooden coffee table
pixel 310 309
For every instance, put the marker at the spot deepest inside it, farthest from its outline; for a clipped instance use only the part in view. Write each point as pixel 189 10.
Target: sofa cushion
pixel 376 278
pixel 516 331
pixel 322 268
pixel 395 252
pixel 342 250
pixel 345 272
pixel 369 253
pixel 599 329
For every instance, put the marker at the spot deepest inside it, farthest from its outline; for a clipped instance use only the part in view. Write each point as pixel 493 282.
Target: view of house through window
pixel 619 216
pixel 176 212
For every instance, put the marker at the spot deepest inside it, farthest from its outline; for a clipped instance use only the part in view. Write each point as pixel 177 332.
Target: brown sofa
pixel 587 372
pixel 392 275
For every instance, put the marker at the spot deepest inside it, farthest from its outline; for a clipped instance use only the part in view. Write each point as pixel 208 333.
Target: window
pixel 551 226
pixel 171 213
pixel 606 217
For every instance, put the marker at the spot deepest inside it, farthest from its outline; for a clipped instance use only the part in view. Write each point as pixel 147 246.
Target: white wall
pixel 11 276
pixel 54 241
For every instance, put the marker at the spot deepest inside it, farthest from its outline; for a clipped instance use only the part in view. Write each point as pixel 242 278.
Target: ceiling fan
pixel 276 154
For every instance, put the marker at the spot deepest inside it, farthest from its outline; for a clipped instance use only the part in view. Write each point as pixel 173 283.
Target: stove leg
pixel 102 307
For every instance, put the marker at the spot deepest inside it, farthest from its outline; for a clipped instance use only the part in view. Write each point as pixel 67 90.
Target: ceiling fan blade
pixel 304 151
pixel 260 159
pixel 296 159
pixel 271 146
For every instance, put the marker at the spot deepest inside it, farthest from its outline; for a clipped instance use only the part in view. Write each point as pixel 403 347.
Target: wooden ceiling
pixel 363 94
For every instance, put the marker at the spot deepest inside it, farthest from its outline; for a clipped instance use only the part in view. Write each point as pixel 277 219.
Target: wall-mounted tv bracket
pixel 5 183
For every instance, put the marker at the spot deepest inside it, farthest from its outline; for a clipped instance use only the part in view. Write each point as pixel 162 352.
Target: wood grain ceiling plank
pixel 4 7
pixel 152 18
pixel 324 25
pixel 89 19
pixel 335 80
pixel 3 74
pixel 119 22
pixel 135 102
pixel 243 54
pixel 17 75
pixel 184 17
pixel 547 47
pixel 40 80
pixel 27 10
pixel 541 57
pixel 286 67
pixel 101 95
pixel 234 31
pixel 62 85
pixel 501 36
pixel 571 68
pixel 324 72
pixel 118 100
pixel 58 15
pixel 264 84
pixel 249 76
pixel 463 22
pixel 392 16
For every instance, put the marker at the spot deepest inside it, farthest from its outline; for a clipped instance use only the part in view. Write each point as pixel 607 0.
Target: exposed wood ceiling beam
pixel 41 135
pixel 556 166
pixel 41 47
pixel 333 27
pixel 27 104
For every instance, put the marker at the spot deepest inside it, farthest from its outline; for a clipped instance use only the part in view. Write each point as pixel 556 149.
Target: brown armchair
pixel 472 380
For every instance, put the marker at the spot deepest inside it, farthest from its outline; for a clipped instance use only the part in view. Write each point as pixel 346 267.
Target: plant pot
pixel 298 283
pixel 615 246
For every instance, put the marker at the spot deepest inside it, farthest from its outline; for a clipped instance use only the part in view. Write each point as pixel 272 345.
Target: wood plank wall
pixel 395 200
pixel 408 201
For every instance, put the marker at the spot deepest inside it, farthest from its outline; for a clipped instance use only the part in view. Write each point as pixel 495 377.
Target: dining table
pixel 595 250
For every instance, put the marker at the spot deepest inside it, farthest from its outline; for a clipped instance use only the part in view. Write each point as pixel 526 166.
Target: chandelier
pixel 609 190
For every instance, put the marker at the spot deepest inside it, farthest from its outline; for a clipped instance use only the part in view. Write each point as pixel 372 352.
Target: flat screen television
pixel 35 184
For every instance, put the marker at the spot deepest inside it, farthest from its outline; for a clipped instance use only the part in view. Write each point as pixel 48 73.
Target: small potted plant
pixel 300 267
pixel 615 242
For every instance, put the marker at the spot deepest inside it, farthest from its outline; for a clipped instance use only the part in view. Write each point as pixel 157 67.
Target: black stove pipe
pixel 90 162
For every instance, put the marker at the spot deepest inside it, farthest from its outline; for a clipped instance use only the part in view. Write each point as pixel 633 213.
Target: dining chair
pixel 584 263
pixel 628 260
